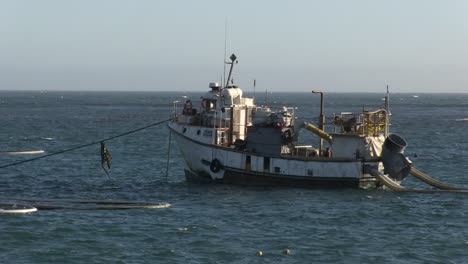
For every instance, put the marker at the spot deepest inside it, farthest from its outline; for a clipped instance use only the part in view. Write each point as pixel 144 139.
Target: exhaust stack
pixel 396 165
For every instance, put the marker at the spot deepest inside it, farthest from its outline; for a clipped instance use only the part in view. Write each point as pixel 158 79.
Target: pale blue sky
pixel 296 45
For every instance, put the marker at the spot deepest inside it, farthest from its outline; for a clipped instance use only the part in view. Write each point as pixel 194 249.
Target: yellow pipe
pixel 317 131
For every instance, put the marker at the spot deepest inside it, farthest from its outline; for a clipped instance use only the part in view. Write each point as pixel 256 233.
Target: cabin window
pixel 266 164
pixel 248 162
pixel 277 170
pixel 310 172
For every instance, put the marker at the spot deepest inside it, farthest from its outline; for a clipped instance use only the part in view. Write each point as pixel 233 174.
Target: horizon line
pixel 168 91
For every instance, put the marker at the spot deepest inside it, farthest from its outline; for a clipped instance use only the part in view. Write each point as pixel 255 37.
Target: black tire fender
pixel 215 165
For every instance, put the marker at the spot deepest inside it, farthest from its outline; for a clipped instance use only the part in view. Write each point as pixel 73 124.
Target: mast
pixel 387 101
pixel 321 119
pixel 233 58
pixel 387 108
pixel 255 83
pixel 225 44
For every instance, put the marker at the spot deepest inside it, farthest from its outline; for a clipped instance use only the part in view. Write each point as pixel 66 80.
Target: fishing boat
pixel 230 139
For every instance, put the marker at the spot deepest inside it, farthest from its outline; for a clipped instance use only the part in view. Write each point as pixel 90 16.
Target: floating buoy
pixel 16 209
pixel 259 253
pixel 286 251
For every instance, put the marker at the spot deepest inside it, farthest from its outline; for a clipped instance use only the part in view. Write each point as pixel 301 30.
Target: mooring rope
pixel 84 145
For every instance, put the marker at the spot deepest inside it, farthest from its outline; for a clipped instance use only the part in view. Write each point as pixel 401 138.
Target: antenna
pixel 387 108
pixel 255 83
pixel 387 101
pixel 225 45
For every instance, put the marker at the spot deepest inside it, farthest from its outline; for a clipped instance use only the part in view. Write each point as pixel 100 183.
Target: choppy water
pixel 218 223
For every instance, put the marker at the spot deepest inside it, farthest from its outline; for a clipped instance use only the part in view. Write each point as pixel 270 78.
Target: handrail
pixel 363 124
pixel 375 123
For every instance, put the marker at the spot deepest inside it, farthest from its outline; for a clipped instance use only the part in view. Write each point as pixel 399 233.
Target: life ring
pixel 215 165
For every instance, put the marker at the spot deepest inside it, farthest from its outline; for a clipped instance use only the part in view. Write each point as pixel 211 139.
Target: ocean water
pixel 220 223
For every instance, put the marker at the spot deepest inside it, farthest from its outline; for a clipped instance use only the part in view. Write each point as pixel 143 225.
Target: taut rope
pixel 83 146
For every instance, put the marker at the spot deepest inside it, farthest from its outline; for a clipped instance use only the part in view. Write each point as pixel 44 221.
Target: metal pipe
pixel 321 119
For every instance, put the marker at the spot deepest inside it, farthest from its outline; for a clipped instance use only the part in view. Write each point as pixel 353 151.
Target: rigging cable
pixel 84 145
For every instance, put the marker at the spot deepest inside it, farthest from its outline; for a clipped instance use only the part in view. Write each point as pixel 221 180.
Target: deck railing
pixel 363 124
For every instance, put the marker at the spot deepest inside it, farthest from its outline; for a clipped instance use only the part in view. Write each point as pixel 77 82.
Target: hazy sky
pixel 295 45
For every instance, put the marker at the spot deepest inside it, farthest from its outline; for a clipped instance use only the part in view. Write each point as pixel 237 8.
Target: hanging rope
pixel 105 159
pixel 168 154
pixel 83 146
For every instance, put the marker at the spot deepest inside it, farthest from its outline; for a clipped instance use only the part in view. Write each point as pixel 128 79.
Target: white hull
pixel 248 168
